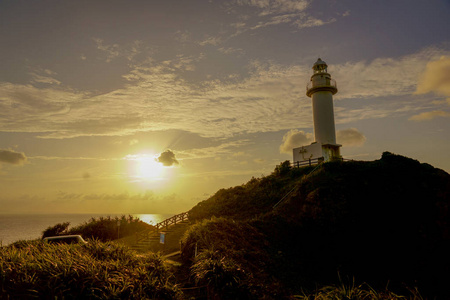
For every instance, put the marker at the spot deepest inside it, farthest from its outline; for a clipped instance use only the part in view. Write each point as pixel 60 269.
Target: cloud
pixel 275 12
pixel 294 138
pixel 436 77
pixel 12 157
pixel 381 77
pixel 167 158
pixel 226 148
pixel 268 7
pixel 429 115
pixel 211 40
pixel 312 22
pixel 350 137
pixel 157 97
pixel 113 202
pixel 231 50
pixel 112 51
pixel 44 79
pixel 133 142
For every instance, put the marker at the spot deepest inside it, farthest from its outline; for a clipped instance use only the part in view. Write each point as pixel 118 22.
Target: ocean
pixel 16 227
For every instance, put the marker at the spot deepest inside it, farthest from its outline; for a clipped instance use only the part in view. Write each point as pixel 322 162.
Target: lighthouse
pixel 321 89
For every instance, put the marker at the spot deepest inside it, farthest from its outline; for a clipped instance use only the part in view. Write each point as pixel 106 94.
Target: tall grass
pixel 350 291
pixel 94 271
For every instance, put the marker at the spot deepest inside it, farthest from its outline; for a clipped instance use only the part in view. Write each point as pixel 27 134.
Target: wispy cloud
pixel 44 76
pixel 383 76
pixel 157 97
pixel 222 148
pixel 254 15
pixel 121 202
pixel 430 115
pixel 113 51
pixel 270 7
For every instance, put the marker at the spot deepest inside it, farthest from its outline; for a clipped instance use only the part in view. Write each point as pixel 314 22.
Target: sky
pixel 146 106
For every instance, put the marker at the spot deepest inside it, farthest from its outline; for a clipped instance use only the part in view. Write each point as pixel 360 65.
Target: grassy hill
pixel 341 230
pixel 384 221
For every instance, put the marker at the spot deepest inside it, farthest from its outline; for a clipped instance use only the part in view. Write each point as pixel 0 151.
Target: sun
pixel 146 167
pixel 149 168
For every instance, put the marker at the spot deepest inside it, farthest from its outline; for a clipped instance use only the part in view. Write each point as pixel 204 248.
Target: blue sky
pixel 92 92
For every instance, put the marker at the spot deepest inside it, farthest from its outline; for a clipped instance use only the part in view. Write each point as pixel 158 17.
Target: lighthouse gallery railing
pixel 329 82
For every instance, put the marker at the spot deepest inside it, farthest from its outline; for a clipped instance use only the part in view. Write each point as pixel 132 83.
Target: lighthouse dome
pixel 320 66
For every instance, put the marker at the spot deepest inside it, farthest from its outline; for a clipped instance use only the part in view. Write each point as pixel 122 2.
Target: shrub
pixel 103 228
pixel 58 229
pixel 223 275
pixel 233 259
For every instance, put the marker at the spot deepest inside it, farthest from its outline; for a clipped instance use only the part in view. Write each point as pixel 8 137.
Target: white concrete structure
pixel 321 89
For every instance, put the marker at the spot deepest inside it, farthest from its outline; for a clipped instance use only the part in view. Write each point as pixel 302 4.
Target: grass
pixel 94 271
pixel 351 291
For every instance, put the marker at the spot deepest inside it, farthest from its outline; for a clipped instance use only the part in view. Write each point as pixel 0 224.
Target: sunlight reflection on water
pixel 152 219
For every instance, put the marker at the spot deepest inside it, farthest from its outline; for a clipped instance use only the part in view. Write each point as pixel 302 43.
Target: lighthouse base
pixel 331 152
pixel 316 153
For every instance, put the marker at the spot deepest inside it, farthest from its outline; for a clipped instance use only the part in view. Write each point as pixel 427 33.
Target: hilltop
pixel 338 230
pixel 383 221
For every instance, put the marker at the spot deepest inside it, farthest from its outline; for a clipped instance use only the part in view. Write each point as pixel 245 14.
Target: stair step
pixel 152 237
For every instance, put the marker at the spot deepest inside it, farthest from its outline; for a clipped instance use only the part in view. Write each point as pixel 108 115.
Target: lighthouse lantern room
pixel 321 89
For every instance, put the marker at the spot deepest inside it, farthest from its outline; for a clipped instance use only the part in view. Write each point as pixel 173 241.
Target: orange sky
pixel 149 107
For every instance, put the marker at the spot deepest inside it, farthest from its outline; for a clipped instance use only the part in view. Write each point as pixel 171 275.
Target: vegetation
pixel 381 221
pixel 351 291
pixel 95 271
pixel 103 228
pixel 231 261
pixel 291 234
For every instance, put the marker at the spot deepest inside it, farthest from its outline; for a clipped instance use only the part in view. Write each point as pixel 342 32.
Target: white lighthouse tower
pixel 321 89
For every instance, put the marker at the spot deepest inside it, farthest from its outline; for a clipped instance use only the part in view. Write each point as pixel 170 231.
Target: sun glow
pixel 146 167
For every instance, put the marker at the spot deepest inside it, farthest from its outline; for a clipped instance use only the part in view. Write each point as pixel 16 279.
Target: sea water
pixel 16 227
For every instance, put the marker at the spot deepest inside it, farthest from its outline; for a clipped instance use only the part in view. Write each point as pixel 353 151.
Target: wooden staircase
pixel 173 228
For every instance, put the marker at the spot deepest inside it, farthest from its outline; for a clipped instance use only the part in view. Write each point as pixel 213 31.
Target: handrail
pixel 308 162
pixel 145 234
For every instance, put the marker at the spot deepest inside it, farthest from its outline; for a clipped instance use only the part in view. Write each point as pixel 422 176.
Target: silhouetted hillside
pixel 380 221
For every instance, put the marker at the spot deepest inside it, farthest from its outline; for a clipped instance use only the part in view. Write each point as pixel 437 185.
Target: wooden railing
pixel 161 225
pixel 310 162
pixel 172 221
pixel 314 161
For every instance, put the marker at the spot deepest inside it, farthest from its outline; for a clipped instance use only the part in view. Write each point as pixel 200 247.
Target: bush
pixel 103 228
pixel 224 276
pixel 58 229
pixel 233 259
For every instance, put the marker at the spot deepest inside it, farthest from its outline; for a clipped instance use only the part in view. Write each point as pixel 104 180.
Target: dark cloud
pixel 12 157
pixel 167 158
